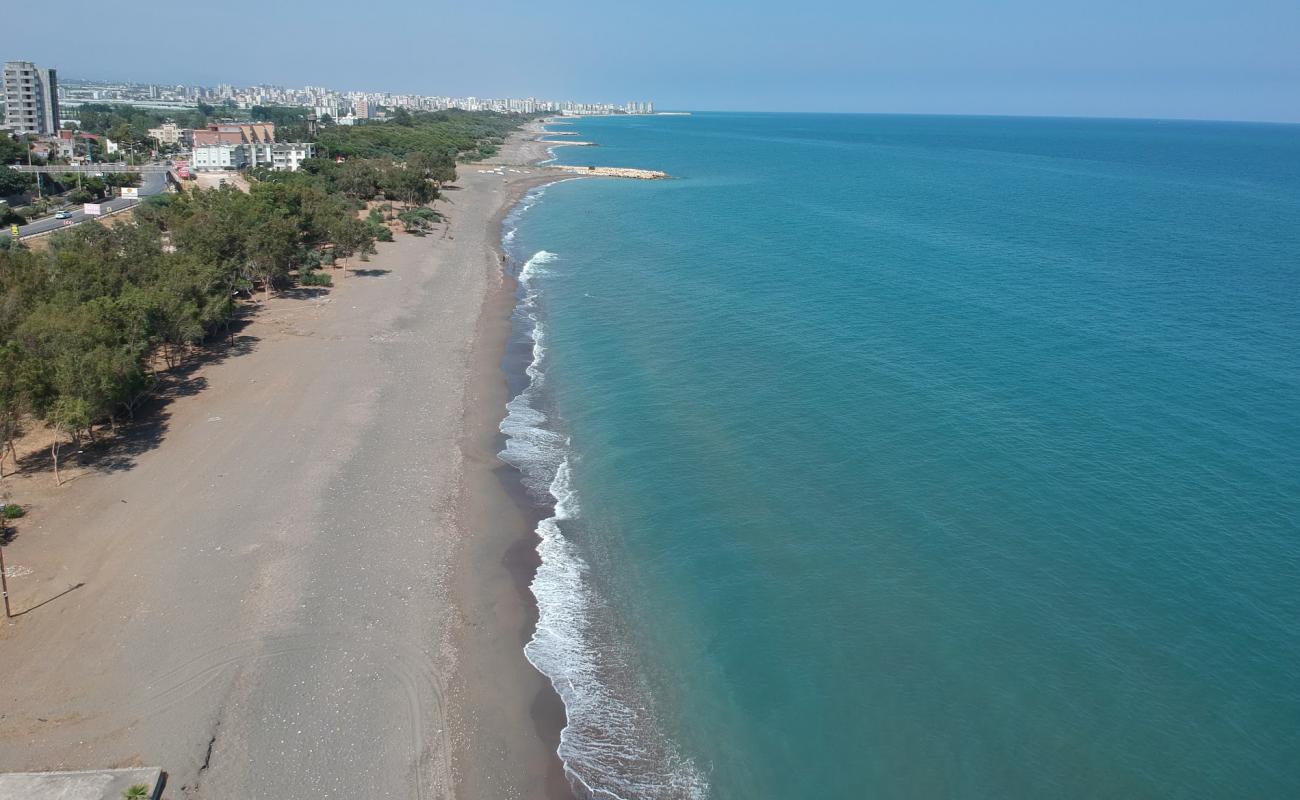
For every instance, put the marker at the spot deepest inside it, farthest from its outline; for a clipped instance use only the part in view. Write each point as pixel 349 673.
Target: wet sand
pixel 510 729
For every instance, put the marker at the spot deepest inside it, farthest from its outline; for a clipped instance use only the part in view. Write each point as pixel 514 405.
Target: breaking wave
pixel 612 746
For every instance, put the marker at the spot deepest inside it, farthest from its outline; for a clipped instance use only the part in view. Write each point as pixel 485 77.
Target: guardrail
pixel 66 169
pixel 24 237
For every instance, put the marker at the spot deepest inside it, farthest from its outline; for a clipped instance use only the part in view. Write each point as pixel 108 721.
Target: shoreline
pixel 512 716
pixel 537 556
pixel 498 558
pixel 501 538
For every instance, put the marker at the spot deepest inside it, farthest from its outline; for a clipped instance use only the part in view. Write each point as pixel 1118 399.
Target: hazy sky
pixel 1220 59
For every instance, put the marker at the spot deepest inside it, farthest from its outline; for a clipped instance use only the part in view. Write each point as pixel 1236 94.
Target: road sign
pixel 131 192
pixel 91 209
pixel 13 231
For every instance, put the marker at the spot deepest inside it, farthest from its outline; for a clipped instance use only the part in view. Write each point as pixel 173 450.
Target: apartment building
pixel 219 156
pixel 280 156
pixel 31 98
pixel 171 134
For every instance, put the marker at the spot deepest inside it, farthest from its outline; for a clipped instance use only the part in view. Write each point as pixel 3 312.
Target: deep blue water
pixel 913 457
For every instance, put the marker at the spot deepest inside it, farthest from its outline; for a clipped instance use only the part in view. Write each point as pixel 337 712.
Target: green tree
pixel 12 396
pixel 408 185
pixel 15 183
pixel 67 416
pixel 358 178
pixel 13 150
pixel 351 236
pixel 270 249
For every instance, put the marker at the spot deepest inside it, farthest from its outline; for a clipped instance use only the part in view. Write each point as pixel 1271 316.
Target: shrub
pixel 313 278
pixel 12 511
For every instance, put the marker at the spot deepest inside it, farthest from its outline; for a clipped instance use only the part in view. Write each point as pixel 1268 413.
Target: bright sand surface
pixel 302 577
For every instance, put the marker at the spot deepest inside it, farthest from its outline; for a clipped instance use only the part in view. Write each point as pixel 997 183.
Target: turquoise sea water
pixel 917 457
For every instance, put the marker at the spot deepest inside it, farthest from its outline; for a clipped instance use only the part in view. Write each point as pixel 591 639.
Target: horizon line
pixel 992 115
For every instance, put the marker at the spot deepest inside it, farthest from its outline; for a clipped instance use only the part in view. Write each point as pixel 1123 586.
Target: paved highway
pixel 150 183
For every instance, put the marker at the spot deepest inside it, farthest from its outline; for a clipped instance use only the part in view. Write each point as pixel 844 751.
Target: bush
pixel 12 511
pixel 313 278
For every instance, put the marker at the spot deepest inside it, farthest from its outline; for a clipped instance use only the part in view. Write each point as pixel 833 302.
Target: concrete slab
pixel 91 784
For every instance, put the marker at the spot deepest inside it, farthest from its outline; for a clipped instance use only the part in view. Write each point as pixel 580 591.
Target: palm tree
pixel 136 792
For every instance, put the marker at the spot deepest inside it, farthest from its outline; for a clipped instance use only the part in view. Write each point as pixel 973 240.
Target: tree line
pixel 88 324
pixel 105 118
pixel 463 135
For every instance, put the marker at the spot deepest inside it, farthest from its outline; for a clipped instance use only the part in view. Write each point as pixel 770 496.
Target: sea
pixel 916 456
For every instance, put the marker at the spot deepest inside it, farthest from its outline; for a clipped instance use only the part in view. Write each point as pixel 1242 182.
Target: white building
pixel 279 156
pixel 31 99
pixel 328 107
pixel 208 157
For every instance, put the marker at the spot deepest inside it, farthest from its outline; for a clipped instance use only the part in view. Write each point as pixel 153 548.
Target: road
pixel 151 183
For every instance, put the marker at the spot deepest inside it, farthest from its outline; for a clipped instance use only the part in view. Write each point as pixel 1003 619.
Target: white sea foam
pixel 512 219
pixel 611 745
pixel 533 267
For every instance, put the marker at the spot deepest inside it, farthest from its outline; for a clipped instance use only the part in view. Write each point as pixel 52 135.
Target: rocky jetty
pixel 614 172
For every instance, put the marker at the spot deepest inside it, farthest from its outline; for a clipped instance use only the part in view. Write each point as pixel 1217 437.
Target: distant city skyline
pixel 1203 59
pixel 72 81
pixel 344 107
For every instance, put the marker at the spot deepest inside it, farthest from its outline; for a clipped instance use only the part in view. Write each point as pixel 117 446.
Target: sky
pixel 1200 59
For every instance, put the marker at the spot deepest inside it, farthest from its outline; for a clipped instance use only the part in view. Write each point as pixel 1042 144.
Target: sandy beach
pixel 303 574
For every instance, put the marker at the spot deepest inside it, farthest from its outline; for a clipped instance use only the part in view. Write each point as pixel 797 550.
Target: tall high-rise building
pixel 31 98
